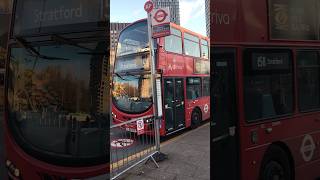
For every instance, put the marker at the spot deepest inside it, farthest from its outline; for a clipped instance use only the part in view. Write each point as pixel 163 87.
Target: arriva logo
pixel 220 18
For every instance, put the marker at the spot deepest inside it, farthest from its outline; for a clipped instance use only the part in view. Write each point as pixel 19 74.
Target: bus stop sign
pixel 160 22
pixel 161 30
pixel 148 6
pixel 160 16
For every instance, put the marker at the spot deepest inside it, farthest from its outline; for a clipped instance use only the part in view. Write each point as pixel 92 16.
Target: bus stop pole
pixel 159 156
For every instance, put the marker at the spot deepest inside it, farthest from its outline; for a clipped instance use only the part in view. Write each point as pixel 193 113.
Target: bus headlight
pixel 17 172
pixel 12 169
pixel 113 115
pixel 8 163
pixel 148 120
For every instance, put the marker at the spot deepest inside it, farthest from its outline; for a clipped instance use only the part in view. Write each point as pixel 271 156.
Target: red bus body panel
pixel 244 24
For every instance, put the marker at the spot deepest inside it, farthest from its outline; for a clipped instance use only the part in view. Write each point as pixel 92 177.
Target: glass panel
pixel 59 104
pixel 191 48
pixel 224 115
pixel 169 103
pixel 308 80
pixel 206 86
pixel 39 16
pixel 132 93
pixel 133 49
pixel 191 37
pixel 204 42
pixel 268 84
pixel 193 88
pixel 205 51
pixel 134 39
pixel 173 44
pixel 176 32
pixel 133 62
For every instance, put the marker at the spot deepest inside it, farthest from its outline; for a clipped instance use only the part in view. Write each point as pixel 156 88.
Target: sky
pixel 192 13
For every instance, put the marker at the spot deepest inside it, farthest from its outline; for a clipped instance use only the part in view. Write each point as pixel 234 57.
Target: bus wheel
pixel 275 165
pixel 195 119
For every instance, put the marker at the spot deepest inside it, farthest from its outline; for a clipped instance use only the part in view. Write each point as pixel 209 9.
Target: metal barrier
pixel 130 147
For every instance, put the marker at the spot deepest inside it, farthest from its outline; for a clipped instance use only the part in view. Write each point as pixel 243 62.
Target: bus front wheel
pixel 195 119
pixel 275 165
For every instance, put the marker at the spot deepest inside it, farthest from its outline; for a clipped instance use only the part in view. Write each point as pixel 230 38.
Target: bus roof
pixel 270 21
pixel 182 29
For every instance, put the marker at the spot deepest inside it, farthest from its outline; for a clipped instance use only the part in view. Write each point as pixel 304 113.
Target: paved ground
pixel 189 159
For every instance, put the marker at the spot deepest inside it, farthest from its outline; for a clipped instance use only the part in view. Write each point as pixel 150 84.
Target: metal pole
pixel 153 67
pixel 159 156
pixel 153 82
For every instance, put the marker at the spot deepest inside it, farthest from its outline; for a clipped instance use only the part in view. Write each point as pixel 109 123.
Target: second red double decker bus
pixel 266 90
pixel 182 61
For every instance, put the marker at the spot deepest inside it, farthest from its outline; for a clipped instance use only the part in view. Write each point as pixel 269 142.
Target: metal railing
pixel 130 147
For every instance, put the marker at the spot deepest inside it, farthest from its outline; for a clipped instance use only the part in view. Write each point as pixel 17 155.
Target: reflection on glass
pixel 133 40
pixel 131 87
pixel 60 106
pixel 133 62
pixel 132 93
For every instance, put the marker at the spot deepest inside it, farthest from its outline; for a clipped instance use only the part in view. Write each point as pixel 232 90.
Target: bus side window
pixel 194 88
pixel 308 64
pixel 191 45
pixel 268 87
pixel 206 86
pixel 204 49
pixel 173 43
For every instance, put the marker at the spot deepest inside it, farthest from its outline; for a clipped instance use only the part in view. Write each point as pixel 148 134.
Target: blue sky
pixel 192 13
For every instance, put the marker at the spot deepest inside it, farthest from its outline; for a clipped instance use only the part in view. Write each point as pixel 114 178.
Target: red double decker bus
pixel 182 59
pixel 265 90
pixel 56 95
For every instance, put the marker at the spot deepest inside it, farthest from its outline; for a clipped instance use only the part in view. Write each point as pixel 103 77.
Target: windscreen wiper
pixel 93 53
pixel 70 42
pixel 135 75
pixel 63 40
pixel 117 74
pixel 126 74
pixel 133 54
pixel 34 52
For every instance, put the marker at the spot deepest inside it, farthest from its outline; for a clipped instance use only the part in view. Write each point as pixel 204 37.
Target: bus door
pixel 224 138
pixel 174 103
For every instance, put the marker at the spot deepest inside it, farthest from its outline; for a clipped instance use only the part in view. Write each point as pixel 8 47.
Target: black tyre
pixel 195 119
pixel 275 165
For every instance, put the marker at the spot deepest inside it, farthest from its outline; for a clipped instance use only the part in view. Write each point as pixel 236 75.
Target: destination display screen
pixel 40 16
pixel 133 63
pixel 294 20
pixel 270 61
